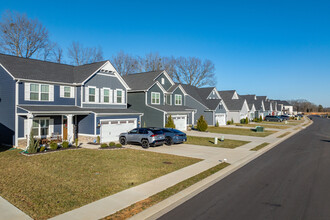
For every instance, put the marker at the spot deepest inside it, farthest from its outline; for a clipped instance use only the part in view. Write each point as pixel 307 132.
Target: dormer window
pixel 178 99
pixel 155 98
pixel 163 81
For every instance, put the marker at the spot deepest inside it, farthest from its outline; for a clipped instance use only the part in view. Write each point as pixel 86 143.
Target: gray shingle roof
pixel 31 69
pixel 232 104
pixel 227 94
pixel 205 92
pixel 141 81
pixel 267 106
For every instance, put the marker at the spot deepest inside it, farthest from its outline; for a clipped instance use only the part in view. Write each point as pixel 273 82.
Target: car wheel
pixel 145 143
pixel 123 141
pixel 168 141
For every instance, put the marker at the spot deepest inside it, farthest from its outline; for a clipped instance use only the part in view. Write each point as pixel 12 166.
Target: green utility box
pixel 259 129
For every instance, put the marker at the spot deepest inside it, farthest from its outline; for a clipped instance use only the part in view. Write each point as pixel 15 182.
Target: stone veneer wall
pixel 22 144
pixel 85 139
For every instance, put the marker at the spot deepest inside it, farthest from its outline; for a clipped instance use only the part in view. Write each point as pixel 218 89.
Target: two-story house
pixel 157 96
pixel 207 102
pixel 52 99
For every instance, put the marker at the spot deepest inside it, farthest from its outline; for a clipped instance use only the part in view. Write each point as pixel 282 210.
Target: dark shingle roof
pixel 32 69
pixel 141 81
pixel 267 106
pixel 227 94
pixel 205 92
pixel 212 104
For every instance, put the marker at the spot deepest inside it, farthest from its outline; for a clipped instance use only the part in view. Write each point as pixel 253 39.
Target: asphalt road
pixel 291 181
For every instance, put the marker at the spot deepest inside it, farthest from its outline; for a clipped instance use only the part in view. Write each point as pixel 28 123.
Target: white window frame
pixel 175 99
pixel 39 128
pixel 106 89
pixel 163 81
pixel 71 92
pixel 89 94
pixel 50 87
pixel 155 93
pixel 122 96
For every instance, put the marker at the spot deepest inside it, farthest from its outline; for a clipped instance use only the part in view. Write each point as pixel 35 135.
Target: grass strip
pixel 239 131
pixel 283 135
pixel 154 199
pixel 205 141
pixel 259 146
pixel 264 125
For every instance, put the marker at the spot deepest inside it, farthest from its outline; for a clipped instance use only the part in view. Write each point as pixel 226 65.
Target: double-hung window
pixel 119 96
pixel 155 98
pixel 34 92
pixel 39 92
pixel 106 95
pixel 178 99
pixel 67 91
pixel 91 96
pixel 44 93
pixel 40 127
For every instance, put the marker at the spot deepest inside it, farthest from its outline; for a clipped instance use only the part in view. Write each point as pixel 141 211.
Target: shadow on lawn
pixel 4 148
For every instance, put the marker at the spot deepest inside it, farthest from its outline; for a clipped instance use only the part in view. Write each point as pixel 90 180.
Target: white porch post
pixel 70 128
pixel 29 128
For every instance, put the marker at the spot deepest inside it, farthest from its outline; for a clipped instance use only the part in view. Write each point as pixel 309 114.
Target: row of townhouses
pixel 92 100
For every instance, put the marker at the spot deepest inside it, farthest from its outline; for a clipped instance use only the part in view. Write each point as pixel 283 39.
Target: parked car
pixel 273 118
pixel 285 117
pixel 174 136
pixel 144 136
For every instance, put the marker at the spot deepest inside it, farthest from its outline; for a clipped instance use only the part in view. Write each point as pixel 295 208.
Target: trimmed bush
pixel 112 144
pixel 247 120
pixel 104 145
pixel 118 145
pixel 98 139
pixel 170 122
pixel 217 124
pixel 260 118
pixel 242 121
pixel 42 149
pixel 202 124
pixel 53 146
pixel 65 144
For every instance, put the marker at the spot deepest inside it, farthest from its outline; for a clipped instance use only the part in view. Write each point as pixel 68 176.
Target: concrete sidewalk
pixel 10 212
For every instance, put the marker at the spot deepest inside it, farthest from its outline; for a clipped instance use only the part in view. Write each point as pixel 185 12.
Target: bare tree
pixel 57 54
pixel 150 62
pixel 79 55
pixel 22 36
pixel 125 63
pixel 194 71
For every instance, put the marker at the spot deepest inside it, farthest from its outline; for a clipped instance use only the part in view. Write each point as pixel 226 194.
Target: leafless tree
pixel 150 62
pixel 22 36
pixel 125 63
pixel 194 71
pixel 79 55
pixel 57 54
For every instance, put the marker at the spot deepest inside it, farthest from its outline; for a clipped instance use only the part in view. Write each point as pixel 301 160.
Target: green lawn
pixel 47 185
pixel 239 131
pixel 152 200
pixel 263 125
pixel 204 141
pixel 259 146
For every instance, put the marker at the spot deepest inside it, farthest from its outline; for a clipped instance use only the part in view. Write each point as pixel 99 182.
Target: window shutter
pixel 115 96
pixel 102 96
pixel 51 127
pixel 51 93
pixel 72 92
pixel 123 97
pixel 111 96
pixel 27 91
pixel 97 94
pixel 61 91
pixel 86 94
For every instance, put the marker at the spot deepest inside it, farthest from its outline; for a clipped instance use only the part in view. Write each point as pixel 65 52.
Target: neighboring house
pixel 59 100
pixel 252 103
pixel 287 108
pixel 207 102
pixel 237 108
pixel 157 96
pixel 268 107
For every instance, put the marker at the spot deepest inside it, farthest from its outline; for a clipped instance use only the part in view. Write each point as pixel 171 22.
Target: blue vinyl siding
pixel 178 91
pixel 57 124
pixel 155 88
pixel 78 97
pixel 86 124
pixel 57 99
pixel 167 84
pixel 21 126
pixel 7 108
pixel 19 110
pixel 115 117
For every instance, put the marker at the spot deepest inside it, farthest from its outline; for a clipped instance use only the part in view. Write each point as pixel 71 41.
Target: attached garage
pixel 111 129
pixel 221 119
pixel 180 122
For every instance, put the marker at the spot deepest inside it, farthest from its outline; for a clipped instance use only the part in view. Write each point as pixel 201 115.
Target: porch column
pixel 70 128
pixel 29 128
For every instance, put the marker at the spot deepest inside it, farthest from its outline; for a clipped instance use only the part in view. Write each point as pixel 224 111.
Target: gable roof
pixel 32 69
pixel 227 94
pixel 141 81
pixel 205 92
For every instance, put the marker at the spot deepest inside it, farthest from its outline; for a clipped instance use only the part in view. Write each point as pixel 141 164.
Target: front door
pixel 65 128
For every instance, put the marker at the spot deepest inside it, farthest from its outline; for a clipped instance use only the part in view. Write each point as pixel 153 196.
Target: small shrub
pixel 170 122
pixel 42 149
pixel 65 144
pixel 104 145
pixel 202 124
pixel 33 145
pixel 53 146
pixel 112 144
pixel 98 139
pixel 230 122
pixel 255 120
pixel 217 124
pixel 118 145
pixel 76 142
pixel 242 121
pixel 260 118
pixel 247 120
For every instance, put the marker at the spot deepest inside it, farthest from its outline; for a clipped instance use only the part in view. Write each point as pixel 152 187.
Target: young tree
pixel 79 55
pixel 202 124
pixel 170 123
pixel 22 36
pixel 125 63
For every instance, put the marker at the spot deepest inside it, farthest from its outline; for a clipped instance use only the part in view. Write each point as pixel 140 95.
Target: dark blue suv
pixel 173 136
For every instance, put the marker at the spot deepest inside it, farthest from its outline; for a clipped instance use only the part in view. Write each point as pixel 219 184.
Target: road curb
pixel 172 202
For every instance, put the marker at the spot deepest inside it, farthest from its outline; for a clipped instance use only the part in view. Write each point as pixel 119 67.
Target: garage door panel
pixel 180 122
pixel 111 131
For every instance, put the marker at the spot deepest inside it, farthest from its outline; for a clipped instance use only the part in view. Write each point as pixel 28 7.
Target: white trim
pixel 95 124
pixel 47 82
pixel 155 98
pixel 216 92
pixel 50 92
pixel 103 114
pixel 89 135
pixel 16 116
pixel 87 95
pixel 104 103
pixel 177 95
pixel 104 74
pixel 49 125
pixel 118 119
pixel 167 76
pixel 181 88
pixel 159 85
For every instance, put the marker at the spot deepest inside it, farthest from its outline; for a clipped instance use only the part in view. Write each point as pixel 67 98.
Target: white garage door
pixel 221 119
pixel 111 129
pixel 180 122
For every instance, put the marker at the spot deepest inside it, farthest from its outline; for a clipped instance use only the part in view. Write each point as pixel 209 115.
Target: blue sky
pixel 276 48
